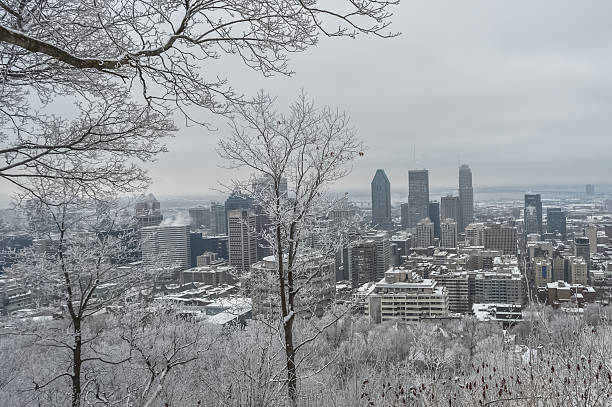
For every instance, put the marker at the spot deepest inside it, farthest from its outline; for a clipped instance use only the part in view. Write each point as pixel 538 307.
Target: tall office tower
pixel 583 249
pixel 434 217
pixel 533 214
pixel 381 201
pixel 418 196
pixel 500 237
pixel 217 219
pixel 242 238
pixel 556 222
pixel 474 234
pixel 200 217
pixel 148 211
pixel 590 189
pixel 450 208
pixel 466 196
pixel 448 234
pixel 590 231
pixel 405 213
pixel 424 233
pixel 166 246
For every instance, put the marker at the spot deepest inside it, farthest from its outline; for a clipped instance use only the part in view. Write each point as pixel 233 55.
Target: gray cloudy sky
pixel 520 90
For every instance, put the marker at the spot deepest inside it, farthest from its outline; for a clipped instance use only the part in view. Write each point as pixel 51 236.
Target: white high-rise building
pixel 166 246
pixel 590 231
pixel 448 233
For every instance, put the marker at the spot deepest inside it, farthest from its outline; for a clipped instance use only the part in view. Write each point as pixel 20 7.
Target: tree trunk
pixel 76 366
pixel 290 353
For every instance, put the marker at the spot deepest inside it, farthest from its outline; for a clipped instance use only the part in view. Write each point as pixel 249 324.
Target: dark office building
pixel 201 244
pixel 434 216
pixel 556 222
pixel 418 196
pixel 381 201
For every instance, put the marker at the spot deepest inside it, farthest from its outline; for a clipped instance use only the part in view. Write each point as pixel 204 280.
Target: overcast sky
pixel 519 90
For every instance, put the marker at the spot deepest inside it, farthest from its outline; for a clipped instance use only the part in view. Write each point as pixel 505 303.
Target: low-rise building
pixel 403 296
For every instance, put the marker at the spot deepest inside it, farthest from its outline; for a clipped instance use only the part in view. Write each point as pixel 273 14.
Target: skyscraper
pixel 434 216
pixel 533 214
pixel 450 208
pixel 556 222
pixel 381 201
pixel 466 196
pixel 242 238
pixel 418 196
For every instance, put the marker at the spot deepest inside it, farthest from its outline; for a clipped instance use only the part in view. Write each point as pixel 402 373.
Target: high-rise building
pixel 418 196
pixel 200 217
pixel 383 252
pixel 218 220
pixel 474 234
pixel 370 258
pixel 166 246
pixel 381 201
pixel 500 237
pixel 448 233
pixel 590 231
pixel 242 238
pixel 466 196
pixel 362 263
pixel 556 222
pixel 434 217
pixel 424 233
pixel 450 208
pixel 533 214
pixel 582 249
pixel 148 211
pixel 543 271
pixel 577 270
pixel 405 215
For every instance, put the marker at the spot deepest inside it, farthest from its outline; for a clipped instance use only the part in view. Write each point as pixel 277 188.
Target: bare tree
pixel 102 52
pixel 309 148
pixel 76 268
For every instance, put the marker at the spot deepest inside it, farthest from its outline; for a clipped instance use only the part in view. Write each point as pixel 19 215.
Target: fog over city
pixel 520 91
